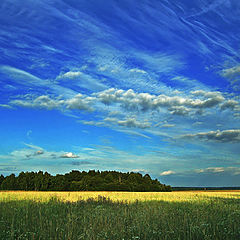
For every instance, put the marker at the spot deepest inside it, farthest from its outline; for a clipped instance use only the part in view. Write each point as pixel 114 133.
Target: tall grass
pixel 86 215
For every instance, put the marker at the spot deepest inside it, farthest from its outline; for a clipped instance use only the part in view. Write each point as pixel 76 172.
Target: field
pixel 120 215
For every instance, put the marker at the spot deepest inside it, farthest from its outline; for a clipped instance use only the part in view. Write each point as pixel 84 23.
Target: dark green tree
pixel 1 180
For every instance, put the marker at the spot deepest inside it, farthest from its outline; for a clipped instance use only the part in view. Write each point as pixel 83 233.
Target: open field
pixel 120 215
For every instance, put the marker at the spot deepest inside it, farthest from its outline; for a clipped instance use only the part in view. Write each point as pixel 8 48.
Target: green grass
pixel 204 218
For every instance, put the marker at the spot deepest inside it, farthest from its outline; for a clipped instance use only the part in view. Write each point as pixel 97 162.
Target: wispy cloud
pixel 129 122
pixel 216 170
pixel 81 79
pixel 24 78
pixel 225 136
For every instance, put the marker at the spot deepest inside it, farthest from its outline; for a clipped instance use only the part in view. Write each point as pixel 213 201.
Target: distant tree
pixel 22 181
pixel 1 180
pixel 9 183
pixel 82 181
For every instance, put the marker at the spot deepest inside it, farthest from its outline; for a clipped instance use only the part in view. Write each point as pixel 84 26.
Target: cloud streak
pixel 225 136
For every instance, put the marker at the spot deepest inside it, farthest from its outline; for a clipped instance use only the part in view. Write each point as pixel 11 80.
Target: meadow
pixel 120 215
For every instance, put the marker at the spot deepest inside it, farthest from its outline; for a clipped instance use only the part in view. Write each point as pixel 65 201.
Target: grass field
pixel 120 215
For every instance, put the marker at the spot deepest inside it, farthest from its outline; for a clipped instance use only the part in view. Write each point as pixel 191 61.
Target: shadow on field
pixel 104 219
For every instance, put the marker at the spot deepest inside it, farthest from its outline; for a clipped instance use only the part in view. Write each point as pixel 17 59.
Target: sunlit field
pixel 120 215
pixel 129 197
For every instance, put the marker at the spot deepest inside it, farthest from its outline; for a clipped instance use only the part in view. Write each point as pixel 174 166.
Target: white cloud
pixel 211 170
pixel 207 93
pixel 231 72
pixel 228 170
pixel 80 102
pixel 43 101
pixel 6 106
pixel 230 104
pixel 134 133
pixel 233 75
pixel 136 70
pixel 121 109
pixel 19 74
pixel 94 123
pixel 27 79
pixel 83 80
pixel 130 100
pixel 145 101
pixel 138 170
pixel 224 136
pixel 129 122
pixel 70 75
pixel 166 173
pixel 69 155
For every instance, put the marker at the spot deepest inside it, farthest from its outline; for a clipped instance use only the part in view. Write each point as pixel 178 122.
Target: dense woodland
pixel 82 181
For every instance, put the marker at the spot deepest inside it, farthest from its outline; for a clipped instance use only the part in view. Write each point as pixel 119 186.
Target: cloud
pixel 43 102
pixel 231 72
pixel 166 173
pixel 33 146
pixel 78 102
pixel 139 170
pixel 83 80
pixel 129 122
pixel 229 170
pixel 93 123
pixel 39 152
pixel 69 155
pixel 31 152
pixel 8 169
pixel 136 70
pixel 6 106
pixel 225 136
pixel 132 100
pixel 211 170
pixel 179 110
pixel 29 80
pixel 19 74
pixel 36 152
pixel 79 163
pixel 168 125
pixel 229 104
pixel 207 93
pixel 70 75
pixel 134 133
pixel 118 108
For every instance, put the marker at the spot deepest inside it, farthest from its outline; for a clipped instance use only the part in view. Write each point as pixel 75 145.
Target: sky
pixel 145 86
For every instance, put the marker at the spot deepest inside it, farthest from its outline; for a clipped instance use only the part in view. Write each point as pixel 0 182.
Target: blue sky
pixel 147 86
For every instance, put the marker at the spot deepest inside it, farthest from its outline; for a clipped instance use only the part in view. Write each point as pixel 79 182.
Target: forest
pixel 83 181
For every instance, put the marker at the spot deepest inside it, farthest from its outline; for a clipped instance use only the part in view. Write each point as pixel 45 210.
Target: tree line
pixel 82 181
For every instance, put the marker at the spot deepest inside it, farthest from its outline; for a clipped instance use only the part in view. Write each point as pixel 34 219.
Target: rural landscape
pixel 120 215
pixel 119 120
pixel 133 213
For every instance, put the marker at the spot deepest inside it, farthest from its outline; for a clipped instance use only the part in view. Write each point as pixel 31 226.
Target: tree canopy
pixel 82 181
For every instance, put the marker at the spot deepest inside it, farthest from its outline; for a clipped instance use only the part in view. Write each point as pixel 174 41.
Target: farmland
pixel 120 215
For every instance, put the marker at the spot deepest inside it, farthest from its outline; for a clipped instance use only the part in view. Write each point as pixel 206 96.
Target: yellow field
pixel 180 215
pixel 176 196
